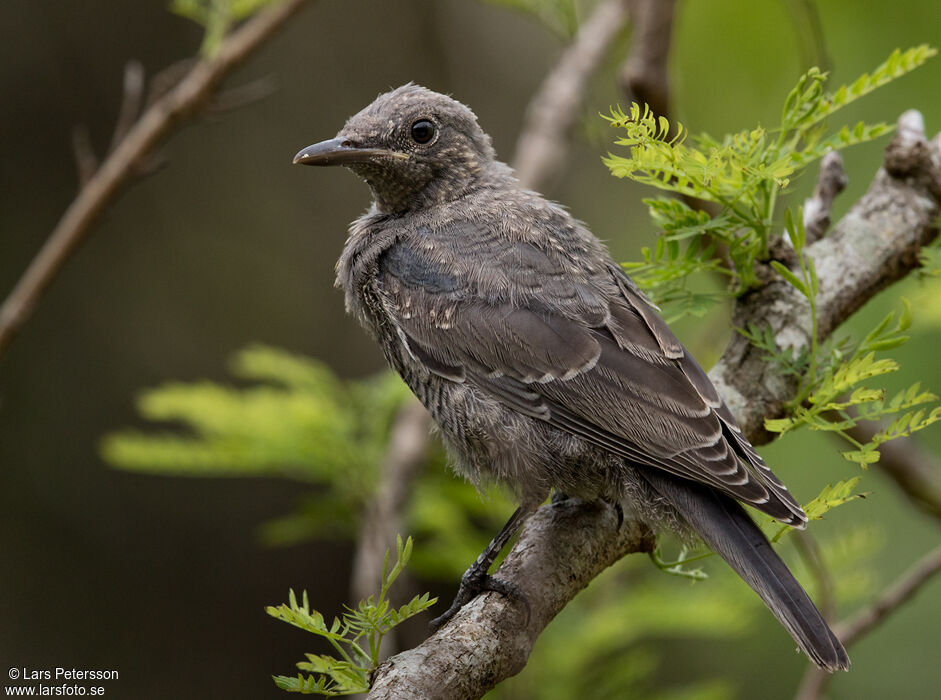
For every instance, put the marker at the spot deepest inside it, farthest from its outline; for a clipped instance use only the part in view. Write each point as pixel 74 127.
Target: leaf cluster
pixel 742 173
pixel 294 419
pixel 832 496
pixel 837 398
pixel 356 635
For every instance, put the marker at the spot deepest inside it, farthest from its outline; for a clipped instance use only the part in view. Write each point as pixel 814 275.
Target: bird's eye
pixel 423 131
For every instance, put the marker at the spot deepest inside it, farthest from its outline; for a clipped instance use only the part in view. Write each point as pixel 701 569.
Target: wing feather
pixel 600 364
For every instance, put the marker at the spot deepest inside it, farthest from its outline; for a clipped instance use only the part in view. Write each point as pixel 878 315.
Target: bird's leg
pixel 476 579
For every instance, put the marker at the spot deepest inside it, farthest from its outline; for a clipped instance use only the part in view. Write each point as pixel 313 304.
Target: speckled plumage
pixel 538 358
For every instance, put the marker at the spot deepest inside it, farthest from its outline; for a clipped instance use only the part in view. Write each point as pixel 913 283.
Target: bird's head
pixel 414 147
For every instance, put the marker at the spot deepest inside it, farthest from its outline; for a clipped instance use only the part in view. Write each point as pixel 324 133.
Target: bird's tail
pixel 725 526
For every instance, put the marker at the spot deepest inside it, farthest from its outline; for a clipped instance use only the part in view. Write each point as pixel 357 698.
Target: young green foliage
pixel 835 399
pixel 742 173
pixel 356 636
pixel 832 496
pixel 296 419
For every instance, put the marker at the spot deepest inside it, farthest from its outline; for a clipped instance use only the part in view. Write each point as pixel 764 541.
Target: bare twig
pixel 831 181
pixel 644 76
pixel 808 31
pixel 560 550
pixel 86 162
pixel 243 95
pixel 131 102
pixel 181 102
pixel 865 620
pixel 407 450
pixel 405 455
pixel 543 141
pixel 906 586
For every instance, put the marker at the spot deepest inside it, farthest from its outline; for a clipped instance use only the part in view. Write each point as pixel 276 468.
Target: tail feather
pixel 725 526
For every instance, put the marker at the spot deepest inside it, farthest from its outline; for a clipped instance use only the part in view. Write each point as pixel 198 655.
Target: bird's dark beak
pixel 340 151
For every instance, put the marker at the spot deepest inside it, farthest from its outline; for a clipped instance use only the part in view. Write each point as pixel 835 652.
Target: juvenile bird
pixel 539 358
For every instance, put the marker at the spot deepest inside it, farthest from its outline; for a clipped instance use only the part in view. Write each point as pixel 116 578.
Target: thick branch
pixel 560 550
pixel 552 112
pixel 153 126
pixel 874 245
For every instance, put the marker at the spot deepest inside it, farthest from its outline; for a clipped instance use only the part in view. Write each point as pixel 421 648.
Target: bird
pixel 542 363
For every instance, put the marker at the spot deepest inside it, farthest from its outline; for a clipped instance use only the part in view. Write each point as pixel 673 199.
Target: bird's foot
pixel 476 581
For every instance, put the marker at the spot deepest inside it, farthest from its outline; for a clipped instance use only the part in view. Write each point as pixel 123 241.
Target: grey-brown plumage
pixel 540 360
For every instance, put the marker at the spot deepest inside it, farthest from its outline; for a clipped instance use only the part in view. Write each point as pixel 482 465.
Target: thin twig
pixel 180 103
pixel 831 181
pixel 131 102
pixel 86 162
pixel 243 95
pixel 900 592
pixel 864 621
pixel 645 76
pixel 405 454
pixel 543 141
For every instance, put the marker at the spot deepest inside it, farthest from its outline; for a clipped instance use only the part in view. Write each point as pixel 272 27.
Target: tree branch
pixel 167 112
pixel 560 550
pixel 644 76
pixel 877 243
pixel 543 141
pixel 831 181
pixel 864 621
pixel 405 454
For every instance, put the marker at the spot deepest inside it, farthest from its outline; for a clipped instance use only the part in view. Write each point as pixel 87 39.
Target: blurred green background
pixel 227 244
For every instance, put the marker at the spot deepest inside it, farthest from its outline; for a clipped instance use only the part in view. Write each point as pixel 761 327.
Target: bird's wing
pixel 601 365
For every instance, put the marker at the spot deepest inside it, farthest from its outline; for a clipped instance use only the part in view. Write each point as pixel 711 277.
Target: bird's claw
pixel 472 584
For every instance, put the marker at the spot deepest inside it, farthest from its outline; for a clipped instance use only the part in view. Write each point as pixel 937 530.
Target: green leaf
pixel 896 65
pixel 792 279
pixel 778 425
pixel 830 497
pixel 862 457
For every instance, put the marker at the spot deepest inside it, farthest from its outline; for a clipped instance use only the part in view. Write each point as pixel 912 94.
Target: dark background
pixel 163 579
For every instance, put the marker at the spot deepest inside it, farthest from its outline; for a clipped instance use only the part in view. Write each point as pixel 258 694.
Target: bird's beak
pixel 340 151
